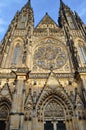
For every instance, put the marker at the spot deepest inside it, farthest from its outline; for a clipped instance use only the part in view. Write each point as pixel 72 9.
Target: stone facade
pixel 43 72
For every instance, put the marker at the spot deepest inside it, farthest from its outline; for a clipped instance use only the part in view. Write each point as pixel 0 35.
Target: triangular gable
pixel 52 82
pixel 6 92
pixel 46 21
pixel 79 103
pixel 28 100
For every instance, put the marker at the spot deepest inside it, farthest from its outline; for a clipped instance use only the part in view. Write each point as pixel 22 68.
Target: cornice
pixel 36 75
pixel 82 70
pixel 46 75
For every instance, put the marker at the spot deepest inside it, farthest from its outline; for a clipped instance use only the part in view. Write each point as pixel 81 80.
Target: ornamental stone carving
pixel 50 55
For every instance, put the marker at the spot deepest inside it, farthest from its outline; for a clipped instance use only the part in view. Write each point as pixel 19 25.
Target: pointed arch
pixel 82 51
pixel 5 107
pixel 17 50
pixel 58 96
pixel 54 111
pixel 16 53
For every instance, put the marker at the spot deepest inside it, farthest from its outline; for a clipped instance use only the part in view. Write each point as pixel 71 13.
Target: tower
pixel 43 72
pixel 16 39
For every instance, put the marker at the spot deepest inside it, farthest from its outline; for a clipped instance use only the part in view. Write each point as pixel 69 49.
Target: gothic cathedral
pixel 43 72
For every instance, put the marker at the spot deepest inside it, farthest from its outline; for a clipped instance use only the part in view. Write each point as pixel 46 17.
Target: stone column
pixel 54 125
pixel 67 125
pixel 41 125
pixel 82 124
pixel 17 114
pixel 75 123
pixel 29 125
pixel 71 125
pixel 37 125
pixel 34 123
pixel 7 124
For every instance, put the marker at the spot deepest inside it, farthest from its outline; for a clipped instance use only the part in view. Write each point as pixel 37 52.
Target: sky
pixel 8 9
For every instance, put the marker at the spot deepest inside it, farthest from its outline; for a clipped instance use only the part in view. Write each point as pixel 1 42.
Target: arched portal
pixel 55 109
pixel 54 116
pixel 5 107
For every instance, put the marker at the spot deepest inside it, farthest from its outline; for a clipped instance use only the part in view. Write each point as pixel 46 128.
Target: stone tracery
pixel 50 55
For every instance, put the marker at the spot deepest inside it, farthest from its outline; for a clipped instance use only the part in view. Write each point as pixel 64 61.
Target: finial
pixel 62 4
pixel 61 1
pixel 46 13
pixel 29 1
pixel 28 4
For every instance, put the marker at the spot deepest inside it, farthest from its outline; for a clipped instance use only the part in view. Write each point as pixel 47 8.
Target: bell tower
pixel 68 23
pixel 66 16
pixel 16 39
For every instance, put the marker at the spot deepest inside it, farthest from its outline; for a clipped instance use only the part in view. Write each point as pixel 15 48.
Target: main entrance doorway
pixel 61 125
pixel 54 116
pixel 2 125
pixel 54 126
pixel 48 125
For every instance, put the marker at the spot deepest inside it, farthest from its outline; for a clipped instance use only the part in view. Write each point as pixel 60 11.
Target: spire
pixel 63 11
pixel 64 7
pixel 28 4
pixel 29 1
pixel 78 18
pixel 62 4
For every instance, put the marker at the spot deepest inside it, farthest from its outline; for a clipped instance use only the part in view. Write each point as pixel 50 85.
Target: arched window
pixel 16 54
pixel 82 52
pixel 71 23
pixel 21 23
pixel 5 107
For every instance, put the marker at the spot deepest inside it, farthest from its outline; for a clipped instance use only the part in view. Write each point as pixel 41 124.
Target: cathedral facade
pixel 43 72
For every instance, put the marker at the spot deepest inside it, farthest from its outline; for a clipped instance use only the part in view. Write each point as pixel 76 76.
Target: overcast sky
pixel 8 9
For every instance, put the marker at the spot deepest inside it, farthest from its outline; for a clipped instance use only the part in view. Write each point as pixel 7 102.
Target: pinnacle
pixel 61 3
pixel 29 1
pixel 28 4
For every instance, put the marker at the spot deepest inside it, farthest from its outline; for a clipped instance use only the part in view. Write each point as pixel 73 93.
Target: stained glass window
pixel 16 54
pixel 21 23
pixel 82 52
pixel 71 24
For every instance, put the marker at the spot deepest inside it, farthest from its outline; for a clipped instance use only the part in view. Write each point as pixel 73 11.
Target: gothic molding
pixel 46 75
pixel 5 107
pixel 82 70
